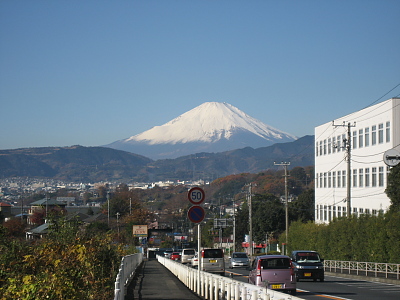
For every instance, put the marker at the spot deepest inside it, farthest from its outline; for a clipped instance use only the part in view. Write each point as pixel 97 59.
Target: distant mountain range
pixel 210 127
pixel 93 164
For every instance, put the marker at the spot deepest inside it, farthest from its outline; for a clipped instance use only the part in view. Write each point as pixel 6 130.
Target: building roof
pixel 47 201
pixel 3 204
pixel 40 229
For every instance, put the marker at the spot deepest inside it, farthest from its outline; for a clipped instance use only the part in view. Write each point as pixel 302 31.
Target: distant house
pixel 5 210
pixel 37 232
pixel 47 205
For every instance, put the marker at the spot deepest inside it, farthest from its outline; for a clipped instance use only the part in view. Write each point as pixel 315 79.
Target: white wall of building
pixel 374 130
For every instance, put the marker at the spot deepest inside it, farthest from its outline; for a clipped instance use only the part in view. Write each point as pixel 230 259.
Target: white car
pixel 195 261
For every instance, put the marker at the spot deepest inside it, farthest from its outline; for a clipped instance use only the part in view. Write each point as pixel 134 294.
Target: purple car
pixel 274 272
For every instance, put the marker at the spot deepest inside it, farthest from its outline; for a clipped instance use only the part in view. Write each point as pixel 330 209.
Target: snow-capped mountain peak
pixel 209 127
pixel 208 122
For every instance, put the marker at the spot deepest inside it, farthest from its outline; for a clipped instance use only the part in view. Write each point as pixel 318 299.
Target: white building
pixel 373 130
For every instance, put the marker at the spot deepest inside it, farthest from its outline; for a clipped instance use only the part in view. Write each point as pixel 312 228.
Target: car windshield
pixel 307 256
pixel 239 255
pixel 275 263
pixel 189 252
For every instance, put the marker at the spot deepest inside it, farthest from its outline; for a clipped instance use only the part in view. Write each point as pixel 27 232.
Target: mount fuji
pixel 209 127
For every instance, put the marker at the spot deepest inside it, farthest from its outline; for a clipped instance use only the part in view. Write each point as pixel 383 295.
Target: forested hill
pixel 92 164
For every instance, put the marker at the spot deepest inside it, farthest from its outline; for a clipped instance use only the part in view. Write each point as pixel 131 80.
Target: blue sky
pixel 93 72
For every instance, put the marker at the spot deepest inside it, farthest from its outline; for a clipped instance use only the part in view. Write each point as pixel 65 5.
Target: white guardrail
pixel 370 269
pixel 214 287
pixel 127 270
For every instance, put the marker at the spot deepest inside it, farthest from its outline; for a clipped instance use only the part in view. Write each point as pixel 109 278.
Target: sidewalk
pixel 156 282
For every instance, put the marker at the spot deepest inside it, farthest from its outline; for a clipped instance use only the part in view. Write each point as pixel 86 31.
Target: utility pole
pixel 249 196
pixel 108 208
pixel 347 146
pixel 285 165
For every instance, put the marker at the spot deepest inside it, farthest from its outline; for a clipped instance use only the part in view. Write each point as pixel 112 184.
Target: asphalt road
pixel 336 288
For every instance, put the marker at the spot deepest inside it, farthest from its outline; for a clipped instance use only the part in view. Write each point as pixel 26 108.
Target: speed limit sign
pixel 196 195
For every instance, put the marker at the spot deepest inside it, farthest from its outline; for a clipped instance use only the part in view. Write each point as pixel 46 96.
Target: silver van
pixel 187 255
pixel 274 272
pixel 212 260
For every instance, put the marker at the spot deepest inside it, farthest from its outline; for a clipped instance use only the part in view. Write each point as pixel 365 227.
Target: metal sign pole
pixel 198 257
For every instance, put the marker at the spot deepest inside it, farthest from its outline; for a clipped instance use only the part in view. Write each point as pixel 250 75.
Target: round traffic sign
pixel 391 157
pixel 196 195
pixel 196 214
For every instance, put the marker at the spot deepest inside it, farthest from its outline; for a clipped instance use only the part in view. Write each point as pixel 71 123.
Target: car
pixel 238 259
pixel 274 272
pixel 195 261
pixel 308 265
pixel 176 256
pixel 212 260
pixel 187 254
pixel 167 253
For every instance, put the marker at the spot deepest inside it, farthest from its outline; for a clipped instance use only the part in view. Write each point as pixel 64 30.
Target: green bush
pixel 366 238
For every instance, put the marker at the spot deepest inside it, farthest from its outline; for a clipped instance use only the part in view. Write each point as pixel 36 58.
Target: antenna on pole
pixel 347 146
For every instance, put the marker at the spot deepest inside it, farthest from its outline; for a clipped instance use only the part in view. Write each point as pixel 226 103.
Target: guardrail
pixel 212 287
pixel 127 269
pixel 370 269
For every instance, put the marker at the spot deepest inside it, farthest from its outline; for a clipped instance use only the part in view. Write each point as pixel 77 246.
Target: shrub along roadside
pixel 62 266
pixel 365 238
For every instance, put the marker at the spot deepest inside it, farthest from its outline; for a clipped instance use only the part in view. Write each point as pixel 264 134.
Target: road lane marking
pixel 323 295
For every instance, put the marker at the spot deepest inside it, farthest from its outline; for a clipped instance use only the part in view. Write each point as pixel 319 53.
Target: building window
pixel 380 133
pixel 360 138
pixel 329 179
pixel 334 145
pixel 329 146
pixel 374 177
pixel 354 139
pixel 373 135
pixel 366 137
pixel 320 180
pixel 325 213
pixel 355 178
pixel 344 141
pixel 339 144
pixel 387 174
pixel 339 211
pixel 344 179
pixel 334 179
pixel 339 179
pixel 380 180
pixel 324 147
pixel 387 132
pixel 325 180
pixel 360 177
pixel 367 177
pixel 367 211
pixel 316 149
pixel 355 211
pixel 374 212
pixel 344 211
pixel 320 148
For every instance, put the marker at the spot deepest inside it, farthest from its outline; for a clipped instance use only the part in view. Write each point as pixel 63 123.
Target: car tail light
pixel 291 268
pixel 202 253
pixel 259 268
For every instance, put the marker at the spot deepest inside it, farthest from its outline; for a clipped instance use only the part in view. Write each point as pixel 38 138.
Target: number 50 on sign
pixel 196 195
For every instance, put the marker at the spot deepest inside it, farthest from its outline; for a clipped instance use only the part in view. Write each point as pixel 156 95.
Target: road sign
pixel 391 157
pixel 196 214
pixel 139 230
pixel 196 195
